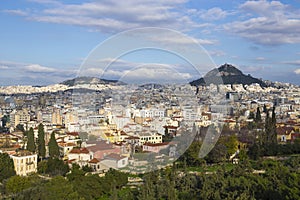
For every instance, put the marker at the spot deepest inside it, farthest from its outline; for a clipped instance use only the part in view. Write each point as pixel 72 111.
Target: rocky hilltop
pixel 227 74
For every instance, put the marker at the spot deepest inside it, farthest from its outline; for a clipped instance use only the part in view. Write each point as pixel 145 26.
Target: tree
pixel 273 127
pixel 6 166
pixel 59 188
pixel 41 141
pixel 30 141
pixel 56 167
pixel 16 184
pixel 265 108
pixel 251 115
pixel 53 146
pixel 4 120
pixel 258 116
pixel 21 128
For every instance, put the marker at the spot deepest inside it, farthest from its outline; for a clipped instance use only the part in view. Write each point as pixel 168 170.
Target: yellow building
pixel 25 162
pixel 19 117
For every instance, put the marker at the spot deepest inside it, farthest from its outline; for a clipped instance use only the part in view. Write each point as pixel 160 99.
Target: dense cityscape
pixel 143 133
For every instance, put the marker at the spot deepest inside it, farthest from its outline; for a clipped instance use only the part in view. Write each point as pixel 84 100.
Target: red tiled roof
pixel 73 133
pixel 132 138
pixel 157 144
pixel 70 161
pixel 94 160
pixel 284 130
pixel 99 146
pixel 81 150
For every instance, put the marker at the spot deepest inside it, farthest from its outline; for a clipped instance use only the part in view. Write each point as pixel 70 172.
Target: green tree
pixel 59 188
pixel 265 108
pixel 41 141
pixel 16 184
pixel 273 127
pixel 251 115
pixel 53 146
pixel 56 167
pixel 30 141
pixel 231 143
pixel 258 115
pixel 21 128
pixel 6 166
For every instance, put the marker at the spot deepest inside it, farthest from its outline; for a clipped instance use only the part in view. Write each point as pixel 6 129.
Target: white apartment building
pixel 25 162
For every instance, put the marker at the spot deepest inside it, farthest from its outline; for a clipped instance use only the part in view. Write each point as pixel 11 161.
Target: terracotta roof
pixel 156 144
pixel 81 150
pixel 284 130
pixel 70 161
pixel 73 133
pixel 132 138
pixel 94 160
pixel 99 146
pixel 63 144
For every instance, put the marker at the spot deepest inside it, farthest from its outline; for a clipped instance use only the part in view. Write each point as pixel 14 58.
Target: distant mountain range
pixel 89 80
pixel 227 74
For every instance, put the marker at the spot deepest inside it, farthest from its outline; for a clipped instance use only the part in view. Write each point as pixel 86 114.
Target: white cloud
pixel 174 39
pixel 217 53
pixel 270 23
pixel 212 14
pixel 155 72
pixel 112 16
pixel 3 67
pixel 295 62
pixel 16 12
pixel 260 58
pixel 39 68
pixel 297 71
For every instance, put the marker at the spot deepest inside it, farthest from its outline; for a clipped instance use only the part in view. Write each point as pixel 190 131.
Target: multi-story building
pixel 25 162
pixel 19 117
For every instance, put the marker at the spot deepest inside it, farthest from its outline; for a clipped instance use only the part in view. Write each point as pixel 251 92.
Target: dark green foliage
pixel 251 115
pixel 41 141
pixel 20 127
pixel 6 167
pixel 4 120
pixel 87 168
pixel 59 188
pixel 16 184
pixel 191 155
pixel 258 115
pixel 53 167
pixel 53 146
pixel 30 141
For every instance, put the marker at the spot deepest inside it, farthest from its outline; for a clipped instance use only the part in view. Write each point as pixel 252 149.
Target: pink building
pixel 102 148
pixel 150 147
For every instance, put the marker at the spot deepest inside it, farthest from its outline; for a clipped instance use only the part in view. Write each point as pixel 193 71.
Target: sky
pixel 48 41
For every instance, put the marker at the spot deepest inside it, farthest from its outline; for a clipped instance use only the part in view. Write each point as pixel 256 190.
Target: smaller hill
pixel 89 80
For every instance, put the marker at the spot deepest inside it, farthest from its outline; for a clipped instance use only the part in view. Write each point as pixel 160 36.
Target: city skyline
pixel 45 42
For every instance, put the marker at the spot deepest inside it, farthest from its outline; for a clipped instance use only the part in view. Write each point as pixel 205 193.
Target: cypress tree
pixel 266 138
pixel 258 115
pixel 30 141
pixel 273 127
pixel 265 108
pixel 41 141
pixel 6 166
pixel 53 146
